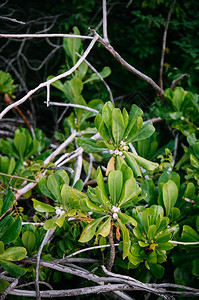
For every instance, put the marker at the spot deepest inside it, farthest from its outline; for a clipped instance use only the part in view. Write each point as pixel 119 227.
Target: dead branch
pixel 164 44
pixel 126 65
pixel 175 82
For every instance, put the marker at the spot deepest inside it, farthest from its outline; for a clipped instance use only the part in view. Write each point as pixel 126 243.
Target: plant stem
pixel 112 248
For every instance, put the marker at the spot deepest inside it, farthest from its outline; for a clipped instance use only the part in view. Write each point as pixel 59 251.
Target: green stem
pixel 17 177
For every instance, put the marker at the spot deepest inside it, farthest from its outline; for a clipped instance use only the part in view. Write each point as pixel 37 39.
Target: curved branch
pixel 126 65
pixel 175 82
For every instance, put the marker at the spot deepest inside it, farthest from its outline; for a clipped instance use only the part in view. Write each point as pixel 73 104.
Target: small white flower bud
pixel 115 209
pixel 182 118
pixel 111 152
pixel 115 216
pixel 120 153
pixel 116 152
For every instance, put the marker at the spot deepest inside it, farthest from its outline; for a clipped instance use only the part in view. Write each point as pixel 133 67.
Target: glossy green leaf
pixel 144 163
pixel 157 270
pixel 12 232
pixel 146 131
pixel 151 232
pixel 43 188
pixel 72 45
pixel 174 214
pixel 50 224
pixel 170 195
pixel 115 183
pixel 129 192
pixel 53 187
pixel 105 228
pixel 89 145
pixel 20 142
pixel 126 239
pixel 29 240
pixel 104 73
pixel 42 207
pixel 118 126
pixel 8 201
pixel 13 253
pixel 125 219
pixel 131 162
pixel 13 269
pixel 1 247
pixel 134 115
pixel 89 231
pixel 189 234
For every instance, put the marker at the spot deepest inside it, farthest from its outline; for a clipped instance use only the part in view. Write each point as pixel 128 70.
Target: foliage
pixel 120 179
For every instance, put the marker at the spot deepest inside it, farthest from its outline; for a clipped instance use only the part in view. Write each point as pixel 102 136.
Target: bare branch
pixel 88 249
pixel 73 292
pixel 45 35
pixel 12 20
pixel 184 243
pixel 48 235
pixel 74 105
pixel 101 78
pixel 175 82
pixel 44 84
pixel 90 167
pixel 112 246
pixel 105 35
pixel 164 44
pixel 78 168
pixel 126 65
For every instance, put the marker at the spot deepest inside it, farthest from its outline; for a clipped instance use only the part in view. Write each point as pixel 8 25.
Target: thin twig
pixel 12 20
pixel 175 150
pixel 105 35
pixel 16 177
pixel 164 44
pixel 78 167
pixel 48 235
pixel 74 105
pixel 175 82
pixel 88 249
pixel 45 35
pixel 127 66
pixel 101 78
pixel 50 81
pixel 90 167
pixel 184 243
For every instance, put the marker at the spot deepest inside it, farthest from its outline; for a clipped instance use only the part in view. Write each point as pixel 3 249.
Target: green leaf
pixel 134 115
pixel 53 187
pixel 89 231
pixel 131 162
pixel 8 201
pixel 129 192
pixel 106 71
pixel 13 253
pixel 42 207
pixel 170 195
pixel 12 232
pixel 126 239
pixel 178 98
pixel 20 142
pixel 189 234
pixel 146 131
pixel 194 161
pixel 93 207
pixel 72 45
pixel 115 183
pixel 29 240
pixel 89 145
pixel 50 224
pixel 174 214
pixel 156 270
pixel 144 163
pixel 118 126
pixel 125 219
pixel 82 70
pixel 1 247
pixel 43 188
pixel 151 232
pixel 107 116
pixel 76 86
pixel 12 269
pixel 105 228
